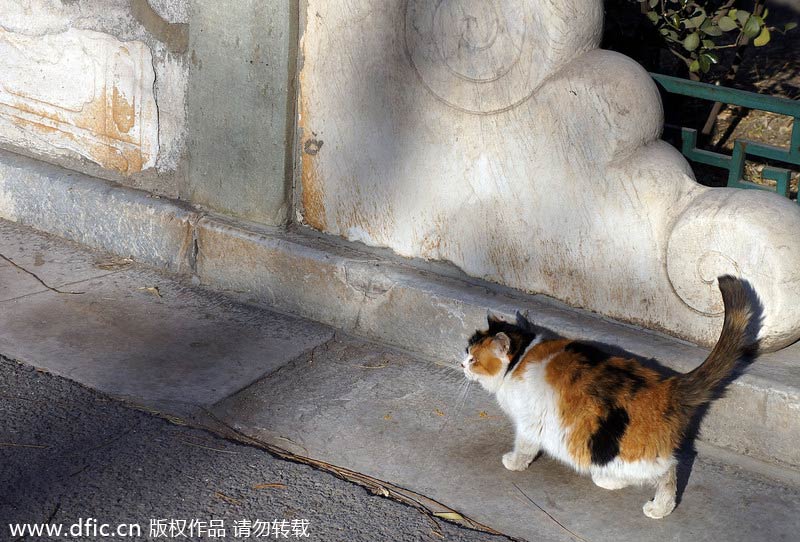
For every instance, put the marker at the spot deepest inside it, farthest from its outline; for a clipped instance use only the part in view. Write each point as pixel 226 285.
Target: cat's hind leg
pixel 664 501
pixel 525 451
pixel 609 482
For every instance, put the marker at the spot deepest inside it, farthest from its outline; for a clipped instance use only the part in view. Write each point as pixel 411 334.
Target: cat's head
pixel 491 351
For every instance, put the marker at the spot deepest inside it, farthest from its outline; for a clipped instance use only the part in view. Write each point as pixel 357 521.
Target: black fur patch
pixel 619 377
pixel 519 338
pixel 591 355
pixel 604 443
pixel 611 379
pixel 476 337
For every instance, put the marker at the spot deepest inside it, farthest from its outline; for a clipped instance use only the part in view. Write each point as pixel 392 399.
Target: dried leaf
pixel 438 412
pixel 382 366
pixel 225 498
pixel 452 516
pixel 380 490
pixel 152 290
pixel 483 414
pixel 112 264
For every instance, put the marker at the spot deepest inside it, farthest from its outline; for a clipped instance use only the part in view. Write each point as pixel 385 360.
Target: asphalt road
pixel 68 453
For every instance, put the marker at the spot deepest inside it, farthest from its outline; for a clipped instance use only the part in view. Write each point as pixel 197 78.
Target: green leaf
pixel 752 28
pixel 763 38
pixel 653 3
pixel 694 66
pixel 712 30
pixel 695 22
pixel 732 13
pixel 764 15
pixel 691 42
pixel 708 44
pixel 676 21
pixel 705 63
pixel 711 57
pixel 789 26
pixel 742 16
pixel 726 24
pixel 653 16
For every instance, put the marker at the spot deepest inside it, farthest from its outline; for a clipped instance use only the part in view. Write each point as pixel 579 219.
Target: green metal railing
pixel 742 148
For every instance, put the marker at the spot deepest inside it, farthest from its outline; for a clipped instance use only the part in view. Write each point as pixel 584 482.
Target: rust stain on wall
pixel 112 121
pixel 106 120
pixel 123 112
pixel 313 195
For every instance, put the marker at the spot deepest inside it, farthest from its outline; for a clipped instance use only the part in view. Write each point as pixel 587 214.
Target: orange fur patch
pixel 587 393
pixel 538 354
pixel 651 433
pixel 485 355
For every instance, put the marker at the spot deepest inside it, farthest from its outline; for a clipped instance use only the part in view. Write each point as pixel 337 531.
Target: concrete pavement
pixel 68 452
pixel 161 343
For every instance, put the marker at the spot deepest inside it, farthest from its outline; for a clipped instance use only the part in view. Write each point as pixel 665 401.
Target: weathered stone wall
pixel 97 86
pixel 241 106
pixel 492 134
pixel 497 136
pixel 190 100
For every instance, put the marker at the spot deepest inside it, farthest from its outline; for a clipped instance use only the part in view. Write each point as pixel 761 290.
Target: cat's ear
pixel 503 342
pixel 522 320
pixel 493 319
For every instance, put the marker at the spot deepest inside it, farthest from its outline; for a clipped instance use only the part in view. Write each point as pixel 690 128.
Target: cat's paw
pixel 656 510
pixel 515 461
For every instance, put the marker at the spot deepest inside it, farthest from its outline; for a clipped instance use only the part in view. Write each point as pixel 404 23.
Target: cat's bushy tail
pixel 696 387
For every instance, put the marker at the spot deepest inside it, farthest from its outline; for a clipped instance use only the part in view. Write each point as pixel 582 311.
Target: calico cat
pixel 606 416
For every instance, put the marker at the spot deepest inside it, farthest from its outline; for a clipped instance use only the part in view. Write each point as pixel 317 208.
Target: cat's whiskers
pixel 461 398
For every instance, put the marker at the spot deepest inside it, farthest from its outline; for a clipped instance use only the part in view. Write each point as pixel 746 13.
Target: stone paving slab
pixel 386 414
pixel 137 333
pixel 54 262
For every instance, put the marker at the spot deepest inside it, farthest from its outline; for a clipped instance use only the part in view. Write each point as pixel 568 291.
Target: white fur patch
pixel 532 404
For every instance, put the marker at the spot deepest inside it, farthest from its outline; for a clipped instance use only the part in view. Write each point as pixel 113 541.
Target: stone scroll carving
pixel 79 92
pixel 496 135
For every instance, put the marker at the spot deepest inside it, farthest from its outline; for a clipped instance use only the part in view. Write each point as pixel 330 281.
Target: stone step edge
pixel 362 291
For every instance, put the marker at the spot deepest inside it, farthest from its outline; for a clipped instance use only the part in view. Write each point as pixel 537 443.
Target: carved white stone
pixel 79 92
pixel 485 56
pixel 495 135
